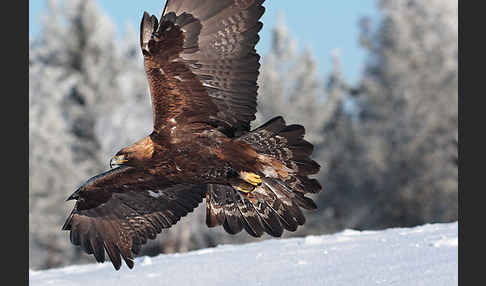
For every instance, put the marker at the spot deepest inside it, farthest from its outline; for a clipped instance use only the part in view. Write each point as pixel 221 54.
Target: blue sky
pixel 321 25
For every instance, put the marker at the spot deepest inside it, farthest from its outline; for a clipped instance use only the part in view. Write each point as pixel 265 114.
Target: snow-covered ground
pixel 424 255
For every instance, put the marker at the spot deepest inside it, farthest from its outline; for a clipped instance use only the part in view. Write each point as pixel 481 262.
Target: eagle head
pixel 133 155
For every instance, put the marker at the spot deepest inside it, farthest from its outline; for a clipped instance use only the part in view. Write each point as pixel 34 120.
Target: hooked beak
pixel 117 161
pixel 74 196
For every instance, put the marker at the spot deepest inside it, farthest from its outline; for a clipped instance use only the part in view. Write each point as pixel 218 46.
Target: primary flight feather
pixel 202 69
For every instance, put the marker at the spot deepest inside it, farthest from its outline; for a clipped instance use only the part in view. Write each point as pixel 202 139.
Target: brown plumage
pixel 202 69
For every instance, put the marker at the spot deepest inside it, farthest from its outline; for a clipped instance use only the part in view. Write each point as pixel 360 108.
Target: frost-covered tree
pixel 52 174
pixel 409 112
pixel 341 155
pixel 94 60
pixel 391 160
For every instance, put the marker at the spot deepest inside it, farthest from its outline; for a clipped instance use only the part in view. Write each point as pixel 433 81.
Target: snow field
pixel 424 255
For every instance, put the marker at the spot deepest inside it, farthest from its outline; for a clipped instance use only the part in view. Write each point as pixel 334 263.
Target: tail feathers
pixel 271 208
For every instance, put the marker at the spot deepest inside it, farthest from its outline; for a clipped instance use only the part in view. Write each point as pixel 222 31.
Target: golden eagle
pixel 202 69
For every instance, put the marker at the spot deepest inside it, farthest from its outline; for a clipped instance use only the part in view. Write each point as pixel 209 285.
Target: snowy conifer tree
pixel 409 112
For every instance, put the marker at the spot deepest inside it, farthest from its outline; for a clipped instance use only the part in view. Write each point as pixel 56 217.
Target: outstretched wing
pixel 202 64
pixel 119 210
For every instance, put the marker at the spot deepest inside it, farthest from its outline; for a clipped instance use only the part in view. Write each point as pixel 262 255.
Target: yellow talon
pixel 251 178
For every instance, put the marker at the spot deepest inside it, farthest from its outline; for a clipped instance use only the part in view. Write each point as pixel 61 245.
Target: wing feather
pixel 202 64
pixel 119 216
